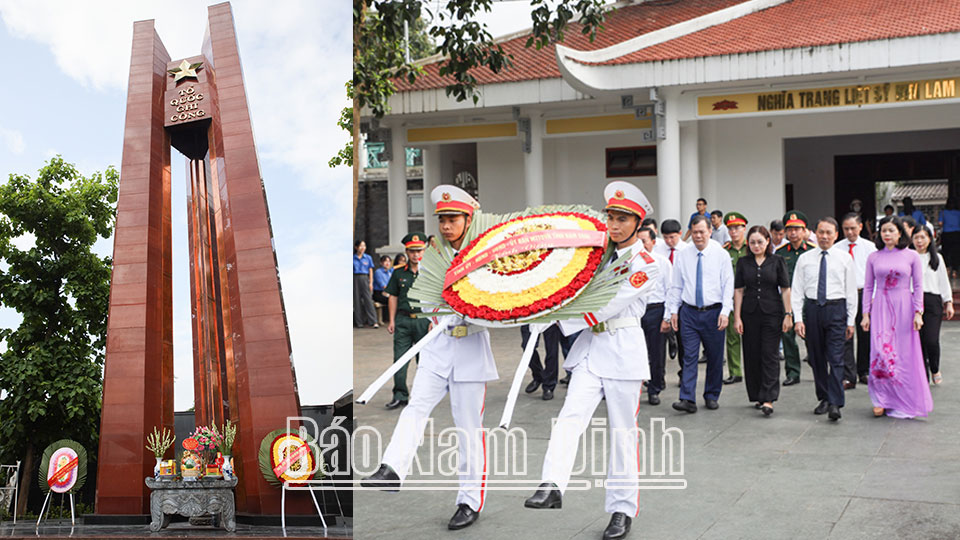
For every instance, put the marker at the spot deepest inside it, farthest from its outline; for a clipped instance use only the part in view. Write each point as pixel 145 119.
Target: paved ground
pixel 792 475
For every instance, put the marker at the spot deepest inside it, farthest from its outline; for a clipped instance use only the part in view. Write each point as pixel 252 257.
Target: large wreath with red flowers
pixel 537 272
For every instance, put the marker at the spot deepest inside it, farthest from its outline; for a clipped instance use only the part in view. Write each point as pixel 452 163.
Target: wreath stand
pixel 73 519
pixel 283 504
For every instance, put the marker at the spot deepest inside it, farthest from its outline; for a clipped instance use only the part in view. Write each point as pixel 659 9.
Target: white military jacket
pixel 623 353
pixel 468 358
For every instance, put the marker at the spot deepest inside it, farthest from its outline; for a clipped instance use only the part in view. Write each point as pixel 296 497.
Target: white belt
pixel 612 325
pixel 463 330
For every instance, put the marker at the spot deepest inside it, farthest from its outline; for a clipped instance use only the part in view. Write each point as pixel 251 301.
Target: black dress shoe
pixel 833 412
pixel 864 379
pixel 821 408
pixel 653 399
pixel 702 360
pixel 672 346
pixel 463 517
pixel 395 403
pixel 547 394
pixel 732 379
pixel 618 527
pixel 849 385
pixel 566 380
pixel 711 404
pixel 685 405
pixel 547 496
pixel 532 387
pixel 767 411
pixel 791 380
pixel 757 405
pixel 385 479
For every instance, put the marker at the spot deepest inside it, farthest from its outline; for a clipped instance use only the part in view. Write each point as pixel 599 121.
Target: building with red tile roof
pixel 756 105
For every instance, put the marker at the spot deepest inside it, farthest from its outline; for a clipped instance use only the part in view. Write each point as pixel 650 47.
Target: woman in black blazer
pixel 761 313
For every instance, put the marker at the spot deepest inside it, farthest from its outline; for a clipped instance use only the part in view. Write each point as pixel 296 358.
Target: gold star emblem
pixel 184 70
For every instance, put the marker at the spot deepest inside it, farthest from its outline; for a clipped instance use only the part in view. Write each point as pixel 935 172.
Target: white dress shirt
pixel 936 281
pixel 721 235
pixel 841 281
pixel 660 291
pixel 862 249
pixel 717 278
pixel 663 249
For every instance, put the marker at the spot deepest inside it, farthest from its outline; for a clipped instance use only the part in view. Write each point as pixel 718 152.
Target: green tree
pixel 52 369
pixel 466 44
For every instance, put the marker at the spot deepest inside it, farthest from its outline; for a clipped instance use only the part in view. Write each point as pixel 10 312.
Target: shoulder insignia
pixel 638 279
pixel 726 245
pixel 646 257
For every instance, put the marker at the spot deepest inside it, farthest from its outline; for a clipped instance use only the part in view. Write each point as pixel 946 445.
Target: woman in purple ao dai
pixel 893 314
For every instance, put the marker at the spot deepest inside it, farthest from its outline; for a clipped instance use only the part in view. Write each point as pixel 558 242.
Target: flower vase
pixel 156 469
pixel 227 467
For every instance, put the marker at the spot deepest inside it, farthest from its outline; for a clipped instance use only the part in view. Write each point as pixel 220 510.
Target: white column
pixel 668 162
pixel 432 177
pixel 690 189
pixel 708 181
pixel 533 162
pixel 397 187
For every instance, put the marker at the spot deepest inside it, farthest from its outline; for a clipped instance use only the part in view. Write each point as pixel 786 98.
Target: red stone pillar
pixel 138 374
pixel 265 381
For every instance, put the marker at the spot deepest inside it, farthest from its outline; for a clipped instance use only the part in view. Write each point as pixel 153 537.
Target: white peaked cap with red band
pixel 451 200
pixel 626 197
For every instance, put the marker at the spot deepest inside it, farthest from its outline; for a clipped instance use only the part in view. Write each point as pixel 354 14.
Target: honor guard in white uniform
pixel 460 362
pixel 607 360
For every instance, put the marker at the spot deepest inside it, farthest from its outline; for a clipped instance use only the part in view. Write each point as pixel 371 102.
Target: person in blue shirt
pixel 910 210
pixel 381 276
pixel 949 221
pixel 363 312
pixel 701 211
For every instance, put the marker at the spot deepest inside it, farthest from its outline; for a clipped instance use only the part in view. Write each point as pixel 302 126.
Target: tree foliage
pixel 51 369
pixel 464 42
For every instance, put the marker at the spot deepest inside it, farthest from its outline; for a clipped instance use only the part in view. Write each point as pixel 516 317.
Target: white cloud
pixel 12 140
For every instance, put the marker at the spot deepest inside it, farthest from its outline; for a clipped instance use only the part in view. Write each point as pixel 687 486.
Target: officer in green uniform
pixel 737 247
pixel 407 329
pixel 795 223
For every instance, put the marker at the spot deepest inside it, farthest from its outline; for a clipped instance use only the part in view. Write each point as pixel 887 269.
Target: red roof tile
pixel 809 23
pixel 623 24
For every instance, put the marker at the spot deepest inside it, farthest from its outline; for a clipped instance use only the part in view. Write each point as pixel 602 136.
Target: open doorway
pixel 918 198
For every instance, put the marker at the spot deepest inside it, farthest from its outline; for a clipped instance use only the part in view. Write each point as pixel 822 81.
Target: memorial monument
pixel 243 369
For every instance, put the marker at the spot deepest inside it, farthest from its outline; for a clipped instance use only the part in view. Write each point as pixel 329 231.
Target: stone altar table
pixel 191 499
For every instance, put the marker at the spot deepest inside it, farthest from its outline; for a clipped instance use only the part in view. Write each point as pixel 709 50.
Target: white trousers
pixel 623 464
pixel 466 405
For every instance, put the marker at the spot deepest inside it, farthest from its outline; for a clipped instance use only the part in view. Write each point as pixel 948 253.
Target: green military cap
pixel 415 241
pixel 795 218
pixel 734 218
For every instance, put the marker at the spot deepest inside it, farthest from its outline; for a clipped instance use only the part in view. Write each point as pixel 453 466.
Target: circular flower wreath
pixel 277 446
pixel 525 284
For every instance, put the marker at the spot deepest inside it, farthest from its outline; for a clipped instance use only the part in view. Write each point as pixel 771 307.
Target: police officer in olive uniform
pixel 795 223
pixel 737 247
pixel 407 328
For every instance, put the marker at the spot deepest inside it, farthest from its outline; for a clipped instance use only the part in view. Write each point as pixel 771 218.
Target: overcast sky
pixel 65 93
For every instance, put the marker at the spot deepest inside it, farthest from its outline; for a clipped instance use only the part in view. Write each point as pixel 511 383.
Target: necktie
pixel 614 258
pixel 822 280
pixel 851 251
pixel 700 279
pixel 671 255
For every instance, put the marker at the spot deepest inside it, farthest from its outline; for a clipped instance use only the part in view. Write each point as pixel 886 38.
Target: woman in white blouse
pixel 937 299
